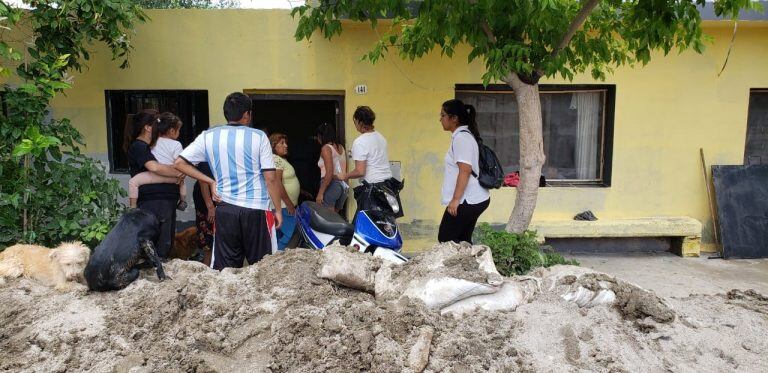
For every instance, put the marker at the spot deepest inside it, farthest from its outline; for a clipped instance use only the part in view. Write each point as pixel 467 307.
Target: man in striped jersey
pixel 240 158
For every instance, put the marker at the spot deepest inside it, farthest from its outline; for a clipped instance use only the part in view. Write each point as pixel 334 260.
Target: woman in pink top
pixel 332 162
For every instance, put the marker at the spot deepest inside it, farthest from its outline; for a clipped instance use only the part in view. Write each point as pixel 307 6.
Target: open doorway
pixel 298 116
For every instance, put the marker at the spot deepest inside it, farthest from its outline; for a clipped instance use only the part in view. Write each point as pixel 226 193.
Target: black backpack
pixel 491 174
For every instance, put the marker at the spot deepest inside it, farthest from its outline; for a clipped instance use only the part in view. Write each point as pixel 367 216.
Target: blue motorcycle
pixel 374 230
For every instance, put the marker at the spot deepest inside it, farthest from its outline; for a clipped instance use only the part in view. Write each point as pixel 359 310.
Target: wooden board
pixel 742 208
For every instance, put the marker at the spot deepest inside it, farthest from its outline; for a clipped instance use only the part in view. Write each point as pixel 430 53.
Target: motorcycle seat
pixel 326 221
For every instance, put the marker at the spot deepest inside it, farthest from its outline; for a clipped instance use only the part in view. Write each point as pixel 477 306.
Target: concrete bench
pixel 688 230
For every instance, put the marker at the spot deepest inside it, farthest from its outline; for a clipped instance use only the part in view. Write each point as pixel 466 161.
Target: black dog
pixel 115 263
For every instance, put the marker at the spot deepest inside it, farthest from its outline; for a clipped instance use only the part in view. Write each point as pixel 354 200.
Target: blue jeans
pixel 285 232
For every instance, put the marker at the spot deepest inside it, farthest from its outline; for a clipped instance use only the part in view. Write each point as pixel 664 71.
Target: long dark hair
pixel 326 133
pixel 135 123
pixel 165 122
pixel 466 114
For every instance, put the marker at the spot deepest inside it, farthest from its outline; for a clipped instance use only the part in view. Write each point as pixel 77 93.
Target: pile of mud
pixel 279 315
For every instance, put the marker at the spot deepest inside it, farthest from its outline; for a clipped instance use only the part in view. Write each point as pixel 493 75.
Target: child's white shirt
pixel 166 150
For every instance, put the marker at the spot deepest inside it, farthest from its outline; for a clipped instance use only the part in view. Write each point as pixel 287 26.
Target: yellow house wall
pixel 665 111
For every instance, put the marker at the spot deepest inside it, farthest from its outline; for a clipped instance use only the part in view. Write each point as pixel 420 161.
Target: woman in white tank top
pixel 333 191
pixel 339 162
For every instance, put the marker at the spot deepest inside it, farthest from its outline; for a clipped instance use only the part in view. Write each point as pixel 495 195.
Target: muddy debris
pixel 286 314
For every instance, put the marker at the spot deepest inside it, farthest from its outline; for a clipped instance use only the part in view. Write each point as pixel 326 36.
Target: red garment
pixel 512 179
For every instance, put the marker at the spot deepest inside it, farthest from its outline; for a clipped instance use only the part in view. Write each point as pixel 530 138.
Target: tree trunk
pixel 531 152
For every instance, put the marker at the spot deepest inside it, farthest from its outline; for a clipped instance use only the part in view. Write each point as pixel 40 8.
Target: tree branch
pixel 488 32
pixel 486 28
pixel 575 26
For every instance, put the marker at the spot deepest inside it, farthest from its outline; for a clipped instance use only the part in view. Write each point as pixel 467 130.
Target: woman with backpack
pixel 463 195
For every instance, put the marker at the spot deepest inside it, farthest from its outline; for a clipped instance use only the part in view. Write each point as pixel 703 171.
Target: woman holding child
pixel 158 184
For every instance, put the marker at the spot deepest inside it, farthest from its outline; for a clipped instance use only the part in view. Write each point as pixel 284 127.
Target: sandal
pixel 586 215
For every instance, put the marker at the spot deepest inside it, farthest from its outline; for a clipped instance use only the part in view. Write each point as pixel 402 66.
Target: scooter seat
pixel 326 221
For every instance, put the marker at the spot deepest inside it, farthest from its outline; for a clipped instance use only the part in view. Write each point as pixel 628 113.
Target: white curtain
pixel 587 106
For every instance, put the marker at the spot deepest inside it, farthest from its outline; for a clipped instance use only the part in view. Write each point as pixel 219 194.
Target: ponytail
pixel 466 113
pixel 164 124
pixel 472 121
pixel 135 123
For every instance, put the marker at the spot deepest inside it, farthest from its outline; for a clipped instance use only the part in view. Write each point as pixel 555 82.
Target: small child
pixel 165 148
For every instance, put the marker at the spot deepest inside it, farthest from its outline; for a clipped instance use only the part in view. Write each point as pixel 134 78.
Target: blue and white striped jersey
pixel 238 156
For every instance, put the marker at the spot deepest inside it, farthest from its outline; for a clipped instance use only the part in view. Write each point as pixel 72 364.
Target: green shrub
pixel 517 254
pixel 49 190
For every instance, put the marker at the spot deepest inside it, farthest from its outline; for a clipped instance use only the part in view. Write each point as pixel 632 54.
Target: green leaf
pixel 22 149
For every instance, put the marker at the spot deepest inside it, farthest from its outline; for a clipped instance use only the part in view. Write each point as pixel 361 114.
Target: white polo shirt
pixel 463 149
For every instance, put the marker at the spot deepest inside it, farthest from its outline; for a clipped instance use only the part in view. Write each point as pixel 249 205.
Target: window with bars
pixel 577 125
pixel 191 106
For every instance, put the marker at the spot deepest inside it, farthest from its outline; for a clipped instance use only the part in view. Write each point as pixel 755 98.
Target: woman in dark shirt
pixel 159 199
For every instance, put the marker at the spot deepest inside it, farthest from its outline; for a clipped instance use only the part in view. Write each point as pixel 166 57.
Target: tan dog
pixel 61 267
pixel 185 245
